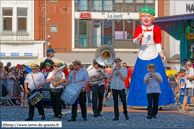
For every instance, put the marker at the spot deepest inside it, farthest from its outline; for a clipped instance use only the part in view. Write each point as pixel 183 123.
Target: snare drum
pixel 35 98
pixel 71 93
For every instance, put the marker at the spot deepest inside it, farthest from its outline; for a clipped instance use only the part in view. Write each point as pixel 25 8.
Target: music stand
pixel 5 98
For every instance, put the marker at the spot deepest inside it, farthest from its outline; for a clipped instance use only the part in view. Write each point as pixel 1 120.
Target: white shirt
pixel 51 85
pixel 38 78
pixel 190 84
pixel 93 72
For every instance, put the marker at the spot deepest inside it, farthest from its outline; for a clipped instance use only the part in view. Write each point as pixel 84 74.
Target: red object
pixel 127 79
pixel 108 70
pixel 105 84
pixel 131 69
pixel 18 65
pixel 85 15
pixel 45 70
pixel 66 72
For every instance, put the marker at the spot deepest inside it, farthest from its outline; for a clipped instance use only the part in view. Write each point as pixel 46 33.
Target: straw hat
pixel 77 62
pixel 56 64
pixel 117 59
pixel 152 65
pixel 33 66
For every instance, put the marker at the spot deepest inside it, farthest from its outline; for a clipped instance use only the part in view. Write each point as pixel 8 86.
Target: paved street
pixel 137 118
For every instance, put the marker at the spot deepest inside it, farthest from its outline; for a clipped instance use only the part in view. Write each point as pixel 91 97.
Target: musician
pixel 97 89
pixel 118 76
pixel 81 78
pixel 152 79
pixel 56 90
pixel 34 81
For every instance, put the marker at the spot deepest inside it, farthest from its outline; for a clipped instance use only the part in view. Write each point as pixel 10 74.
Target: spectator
pixel 10 81
pixel 88 94
pixel 1 70
pixel 8 66
pixel 171 78
pixel 16 83
pixel 50 54
pixel 189 86
pixel 70 68
pixel 128 79
pixel 182 88
pixel 22 76
pixel 105 91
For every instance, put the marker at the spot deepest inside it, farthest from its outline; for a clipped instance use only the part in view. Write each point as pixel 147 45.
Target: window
pixel 97 38
pixel 83 5
pixel 149 1
pixel 144 1
pixel 53 28
pixel 139 1
pixel 121 1
pixel 128 29
pixel 83 38
pixel 22 19
pixel 106 5
pixel 7 19
pixel 53 0
pixel 118 29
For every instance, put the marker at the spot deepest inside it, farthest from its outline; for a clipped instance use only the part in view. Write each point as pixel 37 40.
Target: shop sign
pixel 189 7
pixel 85 16
pixel 2 54
pixel 28 54
pixel 115 16
pixel 14 54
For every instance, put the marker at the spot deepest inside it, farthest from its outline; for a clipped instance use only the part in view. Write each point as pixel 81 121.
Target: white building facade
pixel 17 32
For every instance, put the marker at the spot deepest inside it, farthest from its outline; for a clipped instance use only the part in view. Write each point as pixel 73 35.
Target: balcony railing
pixel 102 40
pixel 83 41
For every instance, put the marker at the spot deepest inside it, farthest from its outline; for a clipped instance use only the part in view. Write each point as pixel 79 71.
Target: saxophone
pixel 58 74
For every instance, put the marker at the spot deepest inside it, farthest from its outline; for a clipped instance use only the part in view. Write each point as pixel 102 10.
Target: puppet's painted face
pixel 146 19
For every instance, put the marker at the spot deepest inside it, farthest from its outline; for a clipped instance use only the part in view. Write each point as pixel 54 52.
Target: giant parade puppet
pixel 150 52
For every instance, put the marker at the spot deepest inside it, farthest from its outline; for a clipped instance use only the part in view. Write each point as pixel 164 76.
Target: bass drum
pixel 71 93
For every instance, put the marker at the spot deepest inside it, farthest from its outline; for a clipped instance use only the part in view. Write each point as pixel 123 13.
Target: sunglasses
pixel 117 61
pixel 74 64
pixel 56 66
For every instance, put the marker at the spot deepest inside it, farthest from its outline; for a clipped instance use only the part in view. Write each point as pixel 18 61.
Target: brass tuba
pixel 104 55
pixel 58 74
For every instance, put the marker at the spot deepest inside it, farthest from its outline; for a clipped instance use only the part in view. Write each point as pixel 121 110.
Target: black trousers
pixel 39 105
pixel 155 98
pixel 97 94
pixel 122 95
pixel 56 100
pixel 82 102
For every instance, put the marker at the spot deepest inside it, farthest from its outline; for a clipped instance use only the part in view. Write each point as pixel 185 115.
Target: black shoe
pixel 95 114
pixel 116 118
pixel 104 105
pixel 55 116
pixel 154 117
pixel 99 114
pixel 85 118
pixel 43 117
pixel 59 116
pixel 149 117
pixel 71 120
pixel 126 117
pixel 28 119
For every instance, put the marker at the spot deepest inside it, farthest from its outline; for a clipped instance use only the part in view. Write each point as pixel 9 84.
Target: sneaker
pixel 89 104
pixel 192 111
pixel 182 111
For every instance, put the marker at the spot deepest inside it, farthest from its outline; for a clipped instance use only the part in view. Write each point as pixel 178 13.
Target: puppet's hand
pixel 162 56
pixel 140 36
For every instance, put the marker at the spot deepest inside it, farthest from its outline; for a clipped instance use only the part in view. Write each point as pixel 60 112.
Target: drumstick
pixel 142 34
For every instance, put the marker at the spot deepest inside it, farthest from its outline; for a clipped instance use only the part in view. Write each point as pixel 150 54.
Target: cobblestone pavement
pixel 136 120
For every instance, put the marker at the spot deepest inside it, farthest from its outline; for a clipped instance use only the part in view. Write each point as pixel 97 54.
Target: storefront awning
pixel 174 25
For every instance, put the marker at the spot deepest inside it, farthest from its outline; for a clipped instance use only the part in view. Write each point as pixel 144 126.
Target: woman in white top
pixel 149 36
